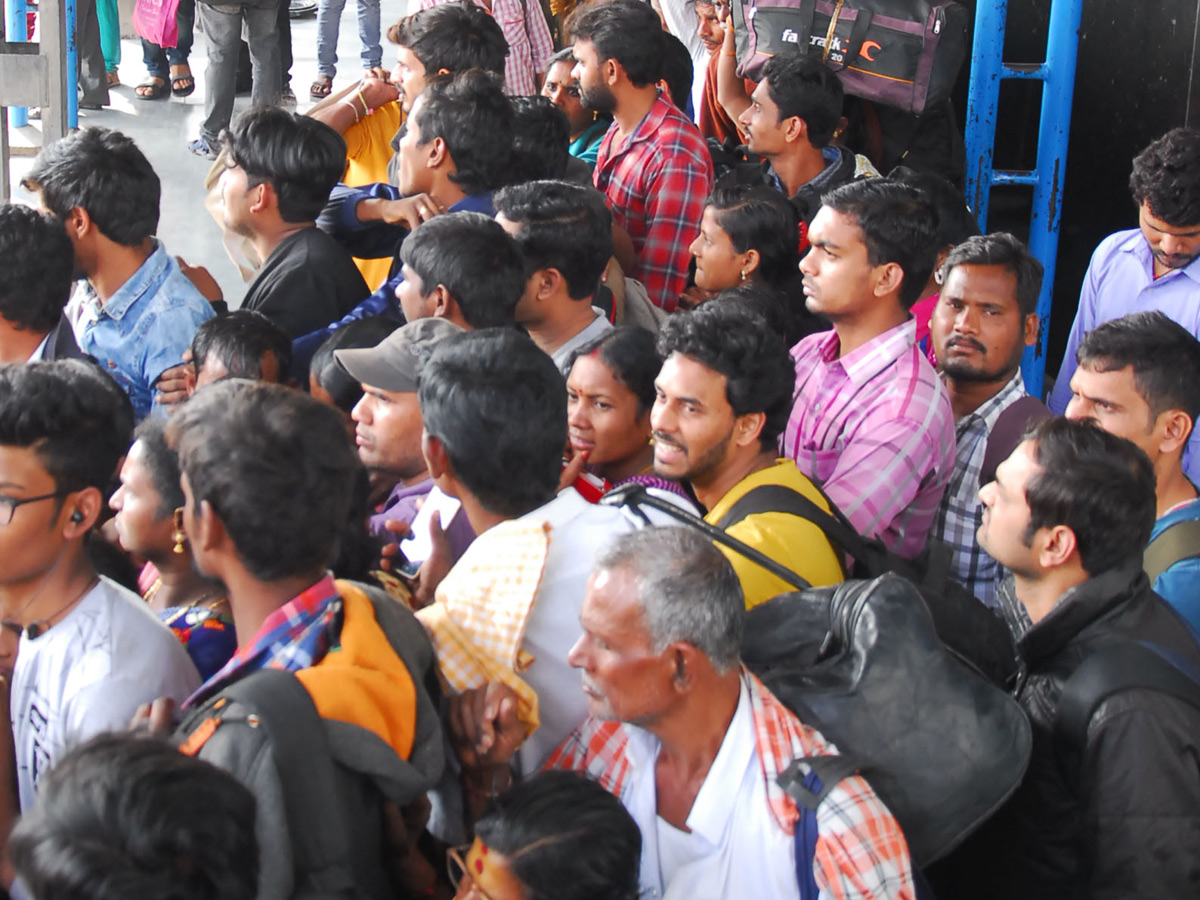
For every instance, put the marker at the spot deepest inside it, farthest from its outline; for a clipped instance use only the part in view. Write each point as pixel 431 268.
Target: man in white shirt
pixel 90 651
pixel 693 743
pixel 495 417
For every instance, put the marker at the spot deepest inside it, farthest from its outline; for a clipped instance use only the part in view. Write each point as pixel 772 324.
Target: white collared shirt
pixel 734 847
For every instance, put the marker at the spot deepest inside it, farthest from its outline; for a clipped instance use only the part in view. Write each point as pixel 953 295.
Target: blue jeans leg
pixel 368 33
pixel 329 15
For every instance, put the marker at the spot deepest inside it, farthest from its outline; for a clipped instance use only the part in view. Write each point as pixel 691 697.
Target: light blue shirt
pixel 143 328
pixel 1119 281
pixel 1180 584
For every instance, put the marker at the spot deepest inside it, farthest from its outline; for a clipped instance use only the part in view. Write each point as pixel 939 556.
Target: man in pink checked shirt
pixel 872 423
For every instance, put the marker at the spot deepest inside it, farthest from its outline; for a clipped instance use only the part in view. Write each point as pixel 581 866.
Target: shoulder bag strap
pixel 1176 543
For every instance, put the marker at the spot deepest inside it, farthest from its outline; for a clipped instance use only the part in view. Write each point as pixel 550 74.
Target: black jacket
pixel 1123 821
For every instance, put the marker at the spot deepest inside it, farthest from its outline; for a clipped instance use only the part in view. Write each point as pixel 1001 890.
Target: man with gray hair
pixel 693 743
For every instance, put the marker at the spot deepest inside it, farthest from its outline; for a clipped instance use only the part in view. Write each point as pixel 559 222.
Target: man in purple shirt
pixel 872 424
pixel 1153 267
pixel 388 423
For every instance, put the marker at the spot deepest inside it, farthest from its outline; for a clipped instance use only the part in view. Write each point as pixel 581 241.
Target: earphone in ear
pixel 77 516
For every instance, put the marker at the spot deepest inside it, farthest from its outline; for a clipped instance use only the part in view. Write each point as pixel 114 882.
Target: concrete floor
pixel 163 128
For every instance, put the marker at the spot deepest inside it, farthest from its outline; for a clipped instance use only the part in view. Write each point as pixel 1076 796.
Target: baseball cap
pixel 393 365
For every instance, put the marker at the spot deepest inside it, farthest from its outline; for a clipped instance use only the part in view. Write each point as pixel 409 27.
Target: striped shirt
pixel 529 43
pixel 874 429
pixel 961 511
pixel 656 181
pixel 860 850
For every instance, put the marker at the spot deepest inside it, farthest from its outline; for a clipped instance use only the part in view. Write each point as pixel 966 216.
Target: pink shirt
pixel 875 431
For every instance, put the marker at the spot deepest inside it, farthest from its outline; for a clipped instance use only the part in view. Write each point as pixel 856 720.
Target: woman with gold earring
pixel 149 523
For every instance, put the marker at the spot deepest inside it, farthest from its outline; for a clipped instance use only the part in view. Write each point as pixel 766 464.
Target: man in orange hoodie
pixel 268 479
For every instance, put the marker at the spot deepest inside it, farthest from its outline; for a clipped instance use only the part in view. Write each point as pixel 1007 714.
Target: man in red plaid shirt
pixel 653 166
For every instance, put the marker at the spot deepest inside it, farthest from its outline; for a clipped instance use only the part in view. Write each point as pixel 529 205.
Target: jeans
pixel 158 59
pixel 329 14
pixel 223 27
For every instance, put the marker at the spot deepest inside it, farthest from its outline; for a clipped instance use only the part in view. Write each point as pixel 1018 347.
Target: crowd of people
pixel 326 596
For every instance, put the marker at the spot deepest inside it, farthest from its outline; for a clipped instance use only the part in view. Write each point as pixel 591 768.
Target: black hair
pixel 627 31
pixel 240 339
pixel 677 70
pixel 563 226
pixel 542 134
pixel 454 36
pixel 162 462
pixel 898 224
pixel 299 157
pixel 955 221
pixel 733 340
pixel 804 86
pixel 565 55
pixel 565 838
pixel 275 465
pixel 630 353
pixel 73 415
pixel 498 405
pixel 1002 249
pixel 760 218
pixel 38 270
pixel 470 113
pixel 1166 176
pixel 766 301
pixel 474 259
pixel 1100 486
pixel 103 172
pixel 130 816
pixel 330 374
pixel 1164 355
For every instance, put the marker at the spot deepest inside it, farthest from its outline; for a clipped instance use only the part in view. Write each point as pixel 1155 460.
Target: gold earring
pixel 178 535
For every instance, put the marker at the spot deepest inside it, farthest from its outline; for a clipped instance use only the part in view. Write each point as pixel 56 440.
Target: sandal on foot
pixel 183 83
pixel 151 89
pixel 203 148
pixel 321 88
pixel 114 80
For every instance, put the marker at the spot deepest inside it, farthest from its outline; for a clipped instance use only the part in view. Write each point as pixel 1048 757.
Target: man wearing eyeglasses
pixel 90 652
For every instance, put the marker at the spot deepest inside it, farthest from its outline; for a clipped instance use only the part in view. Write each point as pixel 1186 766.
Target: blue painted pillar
pixel 16 29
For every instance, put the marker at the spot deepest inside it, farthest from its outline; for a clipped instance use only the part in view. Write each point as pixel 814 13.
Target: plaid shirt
pixel 296 636
pixel 875 430
pixel 529 43
pixel 656 182
pixel 860 852
pixel 961 512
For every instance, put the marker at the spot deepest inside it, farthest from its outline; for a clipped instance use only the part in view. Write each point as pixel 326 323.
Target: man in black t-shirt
pixel 281 168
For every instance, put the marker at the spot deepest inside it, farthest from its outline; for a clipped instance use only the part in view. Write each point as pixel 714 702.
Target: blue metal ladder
pixel 1057 74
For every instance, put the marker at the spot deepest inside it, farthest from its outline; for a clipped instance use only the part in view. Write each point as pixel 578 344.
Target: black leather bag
pixel 862 663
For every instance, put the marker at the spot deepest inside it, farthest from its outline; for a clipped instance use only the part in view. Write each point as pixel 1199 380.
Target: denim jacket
pixel 143 328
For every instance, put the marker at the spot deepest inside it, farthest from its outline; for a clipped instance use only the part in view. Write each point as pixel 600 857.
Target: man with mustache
pixel 985 317
pixel 723 398
pixel 1152 267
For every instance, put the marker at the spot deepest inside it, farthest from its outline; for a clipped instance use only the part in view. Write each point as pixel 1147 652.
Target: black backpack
pixel 969 629
pixel 327 780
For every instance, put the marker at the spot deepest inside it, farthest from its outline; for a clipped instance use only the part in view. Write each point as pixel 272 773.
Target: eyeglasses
pixel 456 868
pixel 8 505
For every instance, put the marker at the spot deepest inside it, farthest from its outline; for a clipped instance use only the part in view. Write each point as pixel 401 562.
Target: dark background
pixel 1137 78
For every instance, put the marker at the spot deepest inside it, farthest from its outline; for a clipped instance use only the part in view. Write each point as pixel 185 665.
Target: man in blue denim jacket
pixel 137 311
pixel 1139 377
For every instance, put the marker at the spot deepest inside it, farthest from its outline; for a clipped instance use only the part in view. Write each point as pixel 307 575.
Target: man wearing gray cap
pixel 388 425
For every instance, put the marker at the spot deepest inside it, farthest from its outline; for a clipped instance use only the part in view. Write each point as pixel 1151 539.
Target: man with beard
pixel 985 317
pixel 723 398
pixel 1152 267
pixel 653 165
